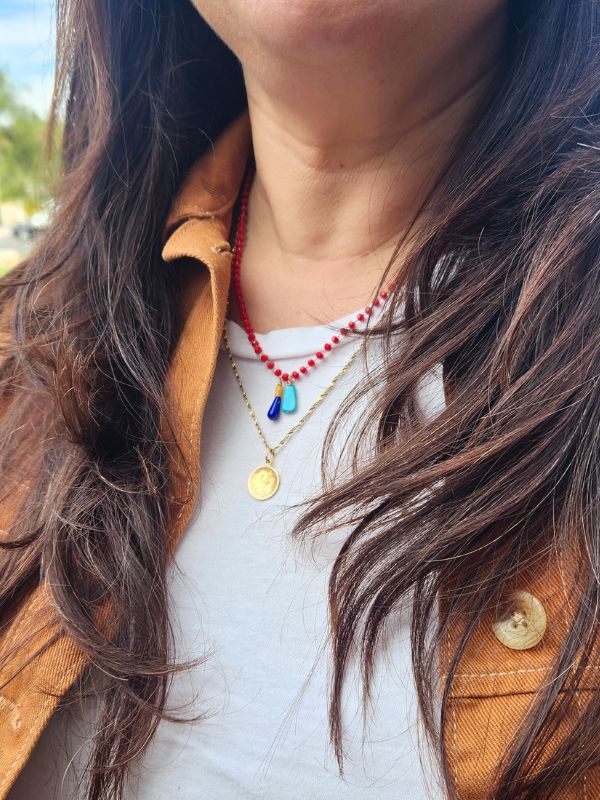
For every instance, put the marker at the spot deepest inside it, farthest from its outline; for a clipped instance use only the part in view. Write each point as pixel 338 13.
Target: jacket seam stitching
pixel 511 672
pixel 32 730
pixel 200 212
pixel 455 748
pixel 454 754
pixel 216 211
pixel 206 211
pixel 20 622
pixel 176 235
pixel 193 429
pixel 577 701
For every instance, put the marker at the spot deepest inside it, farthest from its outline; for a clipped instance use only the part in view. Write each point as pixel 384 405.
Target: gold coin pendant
pixel 263 482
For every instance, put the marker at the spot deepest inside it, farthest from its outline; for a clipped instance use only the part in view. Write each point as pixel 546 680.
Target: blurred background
pixel 26 171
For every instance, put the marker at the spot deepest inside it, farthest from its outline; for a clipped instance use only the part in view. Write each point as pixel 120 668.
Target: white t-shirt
pixel 246 594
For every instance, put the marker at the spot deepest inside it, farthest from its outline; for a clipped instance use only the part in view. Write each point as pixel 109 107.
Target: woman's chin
pixel 302 29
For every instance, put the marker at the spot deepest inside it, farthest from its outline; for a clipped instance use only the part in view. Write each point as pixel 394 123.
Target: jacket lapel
pixel 198 249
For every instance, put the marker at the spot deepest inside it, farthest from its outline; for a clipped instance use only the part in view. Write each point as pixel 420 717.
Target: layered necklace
pixel 264 481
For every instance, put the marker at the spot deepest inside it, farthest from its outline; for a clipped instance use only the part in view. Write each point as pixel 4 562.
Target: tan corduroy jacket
pixel 508 657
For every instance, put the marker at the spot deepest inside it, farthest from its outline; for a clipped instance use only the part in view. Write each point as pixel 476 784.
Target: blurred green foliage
pixel 27 169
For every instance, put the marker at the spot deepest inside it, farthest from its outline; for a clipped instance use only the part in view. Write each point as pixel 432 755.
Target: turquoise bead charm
pixel 289 402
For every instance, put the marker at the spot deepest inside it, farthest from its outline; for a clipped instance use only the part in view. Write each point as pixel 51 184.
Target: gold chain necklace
pixel 264 481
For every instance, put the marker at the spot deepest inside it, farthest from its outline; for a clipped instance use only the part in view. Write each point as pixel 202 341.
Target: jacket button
pixel 521 621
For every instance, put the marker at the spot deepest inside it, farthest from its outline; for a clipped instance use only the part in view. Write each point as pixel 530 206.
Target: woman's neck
pixel 345 153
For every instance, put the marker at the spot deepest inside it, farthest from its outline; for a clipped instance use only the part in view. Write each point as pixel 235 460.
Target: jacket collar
pixel 196 242
pixel 210 190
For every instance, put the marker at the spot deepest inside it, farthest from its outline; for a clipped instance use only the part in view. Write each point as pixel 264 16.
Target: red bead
pixel 284 377
pixel 264 357
pixel 327 346
pixel 303 370
pixel 343 331
pixel 295 375
pixel 277 372
pixel 319 354
pixel 384 295
pixel 310 362
pixel 368 311
pixel 377 302
pixel 335 339
pixel 352 324
pixel 258 350
pixel 360 317
pixel 270 365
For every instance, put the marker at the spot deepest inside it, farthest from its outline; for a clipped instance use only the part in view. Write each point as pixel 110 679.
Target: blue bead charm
pixel 288 406
pixel 275 408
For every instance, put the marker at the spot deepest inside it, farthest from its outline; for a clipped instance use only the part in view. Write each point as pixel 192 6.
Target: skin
pixel 353 107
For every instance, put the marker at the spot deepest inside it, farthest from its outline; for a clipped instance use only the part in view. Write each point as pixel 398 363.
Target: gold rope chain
pixel 272 451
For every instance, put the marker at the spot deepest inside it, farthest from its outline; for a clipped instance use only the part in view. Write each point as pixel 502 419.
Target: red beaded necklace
pixel 285 397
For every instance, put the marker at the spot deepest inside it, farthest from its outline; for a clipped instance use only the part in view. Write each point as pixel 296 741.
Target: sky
pixel 27 49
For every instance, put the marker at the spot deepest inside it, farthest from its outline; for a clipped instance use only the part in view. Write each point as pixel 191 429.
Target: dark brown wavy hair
pixel 508 469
